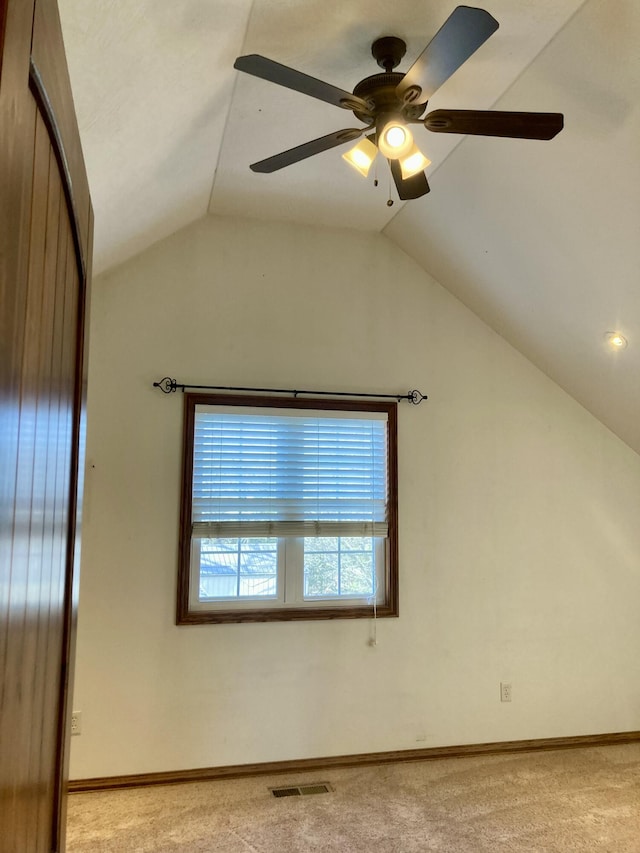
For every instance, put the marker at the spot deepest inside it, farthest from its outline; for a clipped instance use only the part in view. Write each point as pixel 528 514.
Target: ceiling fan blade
pixel 272 71
pixel 409 188
pixel 495 123
pixel 308 149
pixel 457 39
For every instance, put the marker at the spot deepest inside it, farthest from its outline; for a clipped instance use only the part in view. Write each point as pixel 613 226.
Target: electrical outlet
pixel 505 692
pixel 76 723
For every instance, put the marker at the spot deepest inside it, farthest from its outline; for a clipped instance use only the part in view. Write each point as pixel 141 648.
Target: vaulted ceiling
pixel 540 239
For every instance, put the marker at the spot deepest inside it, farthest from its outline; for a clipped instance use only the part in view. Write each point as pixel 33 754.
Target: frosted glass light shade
pixel 395 141
pixel 413 162
pixel 361 156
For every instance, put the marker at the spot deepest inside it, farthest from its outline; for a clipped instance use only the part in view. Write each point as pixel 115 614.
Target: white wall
pixel 519 534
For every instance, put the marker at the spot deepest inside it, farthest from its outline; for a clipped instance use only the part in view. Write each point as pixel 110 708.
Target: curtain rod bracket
pixel 170 386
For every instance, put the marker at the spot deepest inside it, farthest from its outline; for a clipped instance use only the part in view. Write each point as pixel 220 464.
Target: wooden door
pixel 45 246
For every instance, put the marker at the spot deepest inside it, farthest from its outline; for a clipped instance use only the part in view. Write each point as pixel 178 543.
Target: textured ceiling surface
pixel 540 239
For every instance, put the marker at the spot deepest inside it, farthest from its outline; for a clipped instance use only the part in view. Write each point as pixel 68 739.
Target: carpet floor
pixel 565 801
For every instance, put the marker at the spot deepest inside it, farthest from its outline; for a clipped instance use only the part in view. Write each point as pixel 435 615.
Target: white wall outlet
pixel 505 692
pixel 76 723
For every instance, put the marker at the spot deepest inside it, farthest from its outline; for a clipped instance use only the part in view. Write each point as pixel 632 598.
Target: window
pixel 289 509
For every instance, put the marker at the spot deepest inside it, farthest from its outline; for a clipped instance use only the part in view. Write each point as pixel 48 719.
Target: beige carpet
pixel 564 801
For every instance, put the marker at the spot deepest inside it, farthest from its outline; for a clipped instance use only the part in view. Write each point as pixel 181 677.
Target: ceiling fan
pixel 388 102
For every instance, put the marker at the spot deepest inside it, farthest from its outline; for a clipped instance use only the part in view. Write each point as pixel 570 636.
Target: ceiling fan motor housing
pixel 379 91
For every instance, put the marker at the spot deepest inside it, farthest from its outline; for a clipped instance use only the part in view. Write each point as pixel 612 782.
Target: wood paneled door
pixel 45 247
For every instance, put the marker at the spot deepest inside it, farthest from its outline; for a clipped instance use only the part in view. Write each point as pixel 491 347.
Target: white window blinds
pixel 309 473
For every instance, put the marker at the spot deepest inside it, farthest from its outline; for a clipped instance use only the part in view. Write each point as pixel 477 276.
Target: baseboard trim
pixel 303 765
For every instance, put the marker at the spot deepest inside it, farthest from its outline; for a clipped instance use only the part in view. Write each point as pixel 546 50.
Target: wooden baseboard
pixel 307 765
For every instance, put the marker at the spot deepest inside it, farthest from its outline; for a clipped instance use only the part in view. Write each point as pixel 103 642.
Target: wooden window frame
pixel 387 607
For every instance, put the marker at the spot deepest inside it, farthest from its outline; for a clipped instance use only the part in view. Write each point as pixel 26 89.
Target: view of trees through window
pixel 248 567
pixel 339 565
pixel 236 568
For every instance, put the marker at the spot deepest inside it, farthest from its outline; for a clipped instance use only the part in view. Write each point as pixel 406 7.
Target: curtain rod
pixel 169 386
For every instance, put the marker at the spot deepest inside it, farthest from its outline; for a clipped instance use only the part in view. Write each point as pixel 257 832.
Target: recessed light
pixel 615 340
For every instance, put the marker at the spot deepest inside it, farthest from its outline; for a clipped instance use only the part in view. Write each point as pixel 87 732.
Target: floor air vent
pixel 302 790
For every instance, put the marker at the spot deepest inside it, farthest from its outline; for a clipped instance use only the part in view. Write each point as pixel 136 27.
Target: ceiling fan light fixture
pixel 395 140
pixel 413 162
pixel 361 156
pixel 391 101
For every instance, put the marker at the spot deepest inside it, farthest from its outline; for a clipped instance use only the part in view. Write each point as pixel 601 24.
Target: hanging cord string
pixel 390 200
pixel 374 629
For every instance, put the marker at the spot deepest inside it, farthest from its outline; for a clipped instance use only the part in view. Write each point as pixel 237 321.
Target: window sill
pixel 289 614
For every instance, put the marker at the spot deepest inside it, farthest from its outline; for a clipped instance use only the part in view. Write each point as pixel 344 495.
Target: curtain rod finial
pixel 166 385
